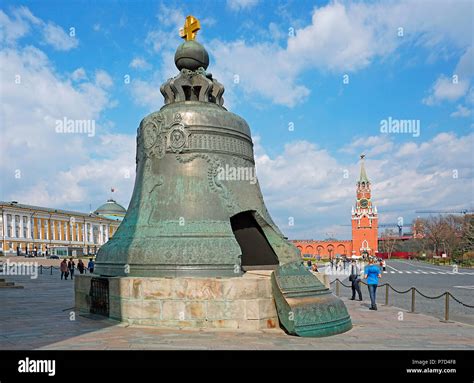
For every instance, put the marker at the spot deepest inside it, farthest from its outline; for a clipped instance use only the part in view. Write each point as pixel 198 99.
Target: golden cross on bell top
pixel 191 26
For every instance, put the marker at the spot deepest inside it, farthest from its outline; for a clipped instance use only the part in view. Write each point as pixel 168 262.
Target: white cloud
pixel 307 183
pixel 341 38
pixel 103 79
pixel 237 5
pixel 79 74
pixel 461 111
pixel 57 169
pixel 255 70
pixel 444 89
pixel 371 146
pixel 11 30
pixel 139 63
pixel 456 86
pixel 147 93
pixel 22 21
pixel 55 36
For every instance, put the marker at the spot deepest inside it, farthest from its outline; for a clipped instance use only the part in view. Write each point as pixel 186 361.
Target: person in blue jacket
pixel 372 274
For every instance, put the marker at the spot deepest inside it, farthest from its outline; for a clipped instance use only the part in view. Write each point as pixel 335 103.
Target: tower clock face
pixel 364 203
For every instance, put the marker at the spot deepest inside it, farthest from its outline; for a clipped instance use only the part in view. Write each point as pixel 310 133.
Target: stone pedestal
pixel 241 303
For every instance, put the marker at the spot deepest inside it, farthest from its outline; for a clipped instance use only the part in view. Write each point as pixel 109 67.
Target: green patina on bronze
pixel 179 220
pixel 305 306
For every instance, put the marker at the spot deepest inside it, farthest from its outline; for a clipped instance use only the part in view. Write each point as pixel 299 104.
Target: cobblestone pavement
pixel 39 317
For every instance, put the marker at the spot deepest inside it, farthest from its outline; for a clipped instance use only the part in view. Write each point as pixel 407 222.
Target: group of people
pixel 312 266
pixel 372 273
pixel 68 267
pixel 33 253
pixel 339 264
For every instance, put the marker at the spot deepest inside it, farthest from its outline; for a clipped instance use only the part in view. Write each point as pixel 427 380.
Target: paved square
pixel 39 317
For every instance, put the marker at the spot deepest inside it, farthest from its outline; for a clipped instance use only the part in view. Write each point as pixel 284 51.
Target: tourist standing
pixel 64 269
pixel 372 274
pixel 80 266
pixel 90 266
pixel 354 277
pixel 71 266
pixel 384 265
pixel 35 251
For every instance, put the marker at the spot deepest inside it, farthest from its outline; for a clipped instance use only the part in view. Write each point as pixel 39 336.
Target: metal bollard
pixel 337 287
pixel 386 295
pixel 51 267
pixel 413 300
pixel 41 269
pixel 446 309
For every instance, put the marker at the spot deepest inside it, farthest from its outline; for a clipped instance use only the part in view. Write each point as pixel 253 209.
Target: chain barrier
pixel 413 291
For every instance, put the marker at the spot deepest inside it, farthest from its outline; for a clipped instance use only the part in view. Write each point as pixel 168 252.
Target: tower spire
pixel 363 175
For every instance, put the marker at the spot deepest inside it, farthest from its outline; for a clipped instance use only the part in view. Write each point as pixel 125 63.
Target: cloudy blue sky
pixel 315 80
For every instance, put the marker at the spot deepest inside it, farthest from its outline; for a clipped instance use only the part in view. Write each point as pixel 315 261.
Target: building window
pixel 95 234
pixel 25 227
pixel 17 226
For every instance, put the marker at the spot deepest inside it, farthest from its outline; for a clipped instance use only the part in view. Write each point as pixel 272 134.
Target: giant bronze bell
pixel 190 214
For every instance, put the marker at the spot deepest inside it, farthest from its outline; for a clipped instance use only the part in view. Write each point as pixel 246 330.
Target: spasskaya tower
pixel 364 217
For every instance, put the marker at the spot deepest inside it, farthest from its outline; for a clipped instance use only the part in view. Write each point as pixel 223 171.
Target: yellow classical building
pixel 39 230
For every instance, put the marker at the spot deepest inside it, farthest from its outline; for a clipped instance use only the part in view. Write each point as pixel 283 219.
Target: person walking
pixel 372 274
pixel 80 266
pixel 384 265
pixel 354 277
pixel 64 269
pixel 90 266
pixel 71 266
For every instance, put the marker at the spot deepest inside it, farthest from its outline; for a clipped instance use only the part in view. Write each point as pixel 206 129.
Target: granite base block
pixel 241 303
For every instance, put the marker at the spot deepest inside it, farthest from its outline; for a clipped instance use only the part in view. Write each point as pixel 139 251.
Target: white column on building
pixel 13 225
pixel 107 230
pixel 20 230
pixel 91 233
pixel 22 227
pixel 101 234
pixel 29 227
pixel 5 224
